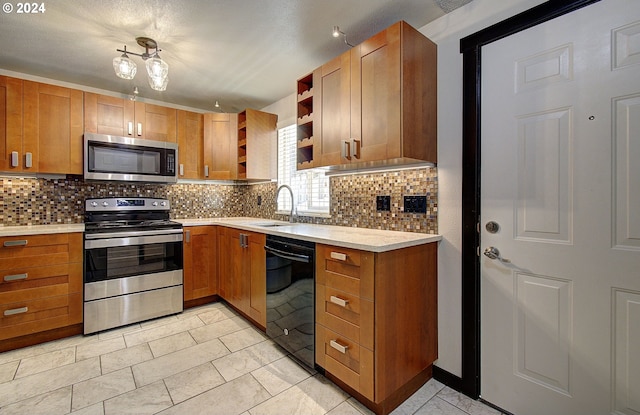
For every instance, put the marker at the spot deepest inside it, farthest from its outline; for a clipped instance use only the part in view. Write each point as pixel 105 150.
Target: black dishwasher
pixel 290 296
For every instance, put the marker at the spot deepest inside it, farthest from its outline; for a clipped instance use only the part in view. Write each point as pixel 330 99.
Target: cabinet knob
pixel 14 311
pixel 345 151
pixel 338 301
pixel 17 242
pixel 339 347
pixel 339 256
pixel 130 128
pixel 15 277
pixel 15 159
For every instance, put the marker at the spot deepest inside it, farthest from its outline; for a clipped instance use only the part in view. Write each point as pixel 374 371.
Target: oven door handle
pixel 133 240
pixel 288 255
pixel 125 234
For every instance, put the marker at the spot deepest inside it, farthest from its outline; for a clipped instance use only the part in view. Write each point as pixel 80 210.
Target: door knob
pixel 493 253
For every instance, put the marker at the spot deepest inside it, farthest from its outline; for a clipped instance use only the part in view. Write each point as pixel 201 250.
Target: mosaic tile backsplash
pixel 30 201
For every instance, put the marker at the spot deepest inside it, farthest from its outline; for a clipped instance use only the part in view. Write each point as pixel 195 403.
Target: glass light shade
pixel 125 68
pixel 157 68
pixel 159 84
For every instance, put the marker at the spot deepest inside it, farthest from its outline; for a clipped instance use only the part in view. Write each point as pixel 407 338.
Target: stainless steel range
pixel 132 262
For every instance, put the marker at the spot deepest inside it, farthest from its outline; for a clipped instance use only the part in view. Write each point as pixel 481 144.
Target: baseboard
pixel 448 378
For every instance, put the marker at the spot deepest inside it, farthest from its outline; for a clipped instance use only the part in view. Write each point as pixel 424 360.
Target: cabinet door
pixel 11 123
pixel 239 295
pixel 257 276
pixel 190 145
pixel 262 137
pixel 376 97
pixel 53 128
pixel 220 146
pixel 224 263
pixel 200 262
pixel 108 115
pixel 333 113
pixel 154 122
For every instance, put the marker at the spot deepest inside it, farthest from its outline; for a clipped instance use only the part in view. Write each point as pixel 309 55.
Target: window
pixel 310 187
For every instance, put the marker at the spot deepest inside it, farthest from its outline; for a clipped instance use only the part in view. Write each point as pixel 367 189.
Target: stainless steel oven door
pixel 119 254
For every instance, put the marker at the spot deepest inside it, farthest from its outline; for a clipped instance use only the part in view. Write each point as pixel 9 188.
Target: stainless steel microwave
pixel 109 157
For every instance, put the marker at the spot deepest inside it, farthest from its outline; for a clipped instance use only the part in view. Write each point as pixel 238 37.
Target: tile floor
pixel 207 360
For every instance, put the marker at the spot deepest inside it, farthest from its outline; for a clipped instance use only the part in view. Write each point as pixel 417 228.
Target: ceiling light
pixel 157 69
pixel 125 68
pixel 337 33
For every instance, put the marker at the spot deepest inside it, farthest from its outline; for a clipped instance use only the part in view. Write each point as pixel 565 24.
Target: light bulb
pixel 157 68
pixel 125 68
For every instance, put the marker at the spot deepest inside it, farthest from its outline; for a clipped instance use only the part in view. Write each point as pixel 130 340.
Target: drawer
pixel 29 316
pixel 346 256
pixel 346 360
pixel 40 250
pixel 29 278
pixel 345 314
pixel 348 270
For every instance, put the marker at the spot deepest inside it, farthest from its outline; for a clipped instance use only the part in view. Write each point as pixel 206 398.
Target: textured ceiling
pixel 242 53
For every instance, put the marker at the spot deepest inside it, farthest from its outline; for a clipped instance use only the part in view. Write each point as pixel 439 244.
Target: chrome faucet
pixel 292 202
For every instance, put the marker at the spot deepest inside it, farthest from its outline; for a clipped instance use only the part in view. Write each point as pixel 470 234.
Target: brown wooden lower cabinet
pixel 200 272
pixel 376 321
pixel 242 270
pixel 40 288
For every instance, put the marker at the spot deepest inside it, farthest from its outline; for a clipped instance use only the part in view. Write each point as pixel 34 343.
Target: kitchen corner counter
pixel 41 229
pixel 373 240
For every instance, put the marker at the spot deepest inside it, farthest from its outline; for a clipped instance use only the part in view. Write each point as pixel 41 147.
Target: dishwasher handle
pixel 288 255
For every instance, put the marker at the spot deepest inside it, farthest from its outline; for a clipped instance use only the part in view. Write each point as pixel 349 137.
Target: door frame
pixel 471 49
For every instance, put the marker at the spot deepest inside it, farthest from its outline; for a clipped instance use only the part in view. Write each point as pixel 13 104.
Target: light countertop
pixel 373 240
pixel 41 229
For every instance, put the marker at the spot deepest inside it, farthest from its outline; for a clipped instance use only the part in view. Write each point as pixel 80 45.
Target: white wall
pixel 446 32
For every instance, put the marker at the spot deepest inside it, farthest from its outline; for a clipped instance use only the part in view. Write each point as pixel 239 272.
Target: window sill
pixel 305 213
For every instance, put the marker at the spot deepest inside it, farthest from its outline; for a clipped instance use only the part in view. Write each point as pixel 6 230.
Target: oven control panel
pixel 126 203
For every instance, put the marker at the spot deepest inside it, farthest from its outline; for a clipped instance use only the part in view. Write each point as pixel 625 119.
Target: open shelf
pixel 305 123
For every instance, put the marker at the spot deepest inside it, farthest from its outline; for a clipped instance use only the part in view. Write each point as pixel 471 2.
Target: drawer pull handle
pixel 338 346
pixel 16 277
pixel 20 310
pixel 338 301
pixel 18 242
pixel 339 256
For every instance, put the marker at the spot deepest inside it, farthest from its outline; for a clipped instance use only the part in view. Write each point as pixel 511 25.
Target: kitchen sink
pixel 271 224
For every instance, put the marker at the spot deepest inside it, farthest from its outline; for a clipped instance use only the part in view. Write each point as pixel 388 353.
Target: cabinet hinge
pixel 478 251
pixel 478 227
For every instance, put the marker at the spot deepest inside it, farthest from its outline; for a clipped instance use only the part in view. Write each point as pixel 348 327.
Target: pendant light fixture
pixel 157 69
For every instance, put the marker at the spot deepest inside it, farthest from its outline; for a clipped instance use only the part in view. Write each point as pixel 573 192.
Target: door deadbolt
pixel 492 227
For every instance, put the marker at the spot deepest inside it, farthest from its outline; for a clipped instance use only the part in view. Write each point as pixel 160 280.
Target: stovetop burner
pixel 130 214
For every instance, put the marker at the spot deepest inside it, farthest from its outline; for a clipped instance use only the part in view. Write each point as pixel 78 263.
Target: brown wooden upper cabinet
pixel 257 136
pixel 190 145
pixel 11 125
pixel 220 148
pixel 376 102
pixel 123 117
pixel 40 127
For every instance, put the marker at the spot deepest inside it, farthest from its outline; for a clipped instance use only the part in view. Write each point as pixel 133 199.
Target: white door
pixel 560 322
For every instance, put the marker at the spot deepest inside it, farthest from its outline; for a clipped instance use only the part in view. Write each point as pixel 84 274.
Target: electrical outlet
pixel 383 203
pixel 259 200
pixel 415 204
